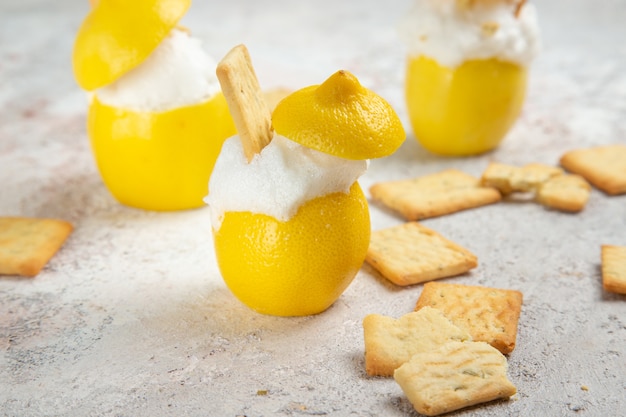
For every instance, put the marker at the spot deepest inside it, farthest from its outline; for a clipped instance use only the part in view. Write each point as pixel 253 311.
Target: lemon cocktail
pixel 157 117
pixel 291 226
pixel 467 71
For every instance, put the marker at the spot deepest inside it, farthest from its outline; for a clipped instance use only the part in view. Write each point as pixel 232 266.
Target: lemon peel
pixel 118 35
pixel 300 266
pixel 340 117
pixel 159 160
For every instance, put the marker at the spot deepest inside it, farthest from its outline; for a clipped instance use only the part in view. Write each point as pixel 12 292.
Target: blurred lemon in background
pixel 465 110
pixel 157 118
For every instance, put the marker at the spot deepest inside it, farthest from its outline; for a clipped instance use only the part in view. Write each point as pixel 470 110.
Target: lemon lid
pixel 340 117
pixel 117 35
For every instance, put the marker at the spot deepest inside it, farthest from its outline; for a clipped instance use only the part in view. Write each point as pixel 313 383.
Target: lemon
pixel 117 35
pixel 340 117
pixel 299 266
pixel 465 110
pixel 159 160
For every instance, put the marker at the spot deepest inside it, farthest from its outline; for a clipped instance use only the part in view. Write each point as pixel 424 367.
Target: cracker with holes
pixel 27 244
pixel 614 268
pixel 488 314
pixel 410 253
pixel 454 376
pixel 391 342
pixel 245 100
pixel 565 193
pixel 508 179
pixel 603 166
pixel 433 195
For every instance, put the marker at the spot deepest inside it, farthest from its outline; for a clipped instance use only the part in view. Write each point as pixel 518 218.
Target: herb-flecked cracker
pixel 602 166
pixel 434 195
pixel 391 342
pixel 568 192
pixel 411 253
pixel 614 268
pixel 454 376
pixel 489 314
pixel 27 244
pixel 508 178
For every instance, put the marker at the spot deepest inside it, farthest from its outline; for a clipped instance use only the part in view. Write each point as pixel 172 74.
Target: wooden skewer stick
pixel 245 100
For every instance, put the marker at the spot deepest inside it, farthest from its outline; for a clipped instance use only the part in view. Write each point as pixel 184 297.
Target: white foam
pixel 277 181
pixel 177 73
pixel 451 35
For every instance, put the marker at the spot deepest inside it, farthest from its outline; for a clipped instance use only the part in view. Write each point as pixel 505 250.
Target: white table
pixel 131 317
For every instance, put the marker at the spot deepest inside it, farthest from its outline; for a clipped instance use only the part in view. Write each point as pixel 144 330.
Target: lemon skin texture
pixel 118 35
pixel 299 266
pixel 466 110
pixel 340 117
pixel 159 160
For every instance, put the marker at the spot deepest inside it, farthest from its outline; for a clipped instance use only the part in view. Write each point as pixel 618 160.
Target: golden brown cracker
pixel 603 166
pixel 411 253
pixel 488 314
pixel 614 268
pixel 565 192
pixel 434 195
pixel 454 376
pixel 391 342
pixel 508 179
pixel 27 244
pixel 245 99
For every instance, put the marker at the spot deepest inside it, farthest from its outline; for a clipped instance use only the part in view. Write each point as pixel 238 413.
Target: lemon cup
pixel 157 118
pixel 466 110
pixel 299 266
pixel 467 71
pixel 158 160
pixel 291 228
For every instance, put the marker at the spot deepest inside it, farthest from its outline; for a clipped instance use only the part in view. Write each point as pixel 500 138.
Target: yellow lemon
pixel 340 117
pixel 299 266
pixel 465 110
pixel 117 35
pixel 159 160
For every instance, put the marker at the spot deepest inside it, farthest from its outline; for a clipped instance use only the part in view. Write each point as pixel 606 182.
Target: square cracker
pixel 434 195
pixel 564 192
pixel 488 314
pixel 389 342
pixel 454 376
pixel 508 178
pixel 27 244
pixel 602 166
pixel 614 268
pixel 411 253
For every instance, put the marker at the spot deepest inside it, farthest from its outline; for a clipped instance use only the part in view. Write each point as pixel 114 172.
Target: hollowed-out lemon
pixel 465 110
pixel 159 160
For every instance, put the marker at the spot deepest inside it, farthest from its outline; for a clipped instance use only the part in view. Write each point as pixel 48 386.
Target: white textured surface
pixel 132 317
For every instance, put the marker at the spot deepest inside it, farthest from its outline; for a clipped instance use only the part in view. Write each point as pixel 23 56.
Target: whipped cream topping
pixel 451 33
pixel 278 180
pixel 177 73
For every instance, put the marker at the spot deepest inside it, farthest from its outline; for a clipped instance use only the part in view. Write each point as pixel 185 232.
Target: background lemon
pixel 465 110
pixel 340 117
pixel 300 266
pixel 159 160
pixel 117 35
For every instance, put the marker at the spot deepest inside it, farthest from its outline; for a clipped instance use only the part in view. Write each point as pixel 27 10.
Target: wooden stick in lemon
pixel 247 105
